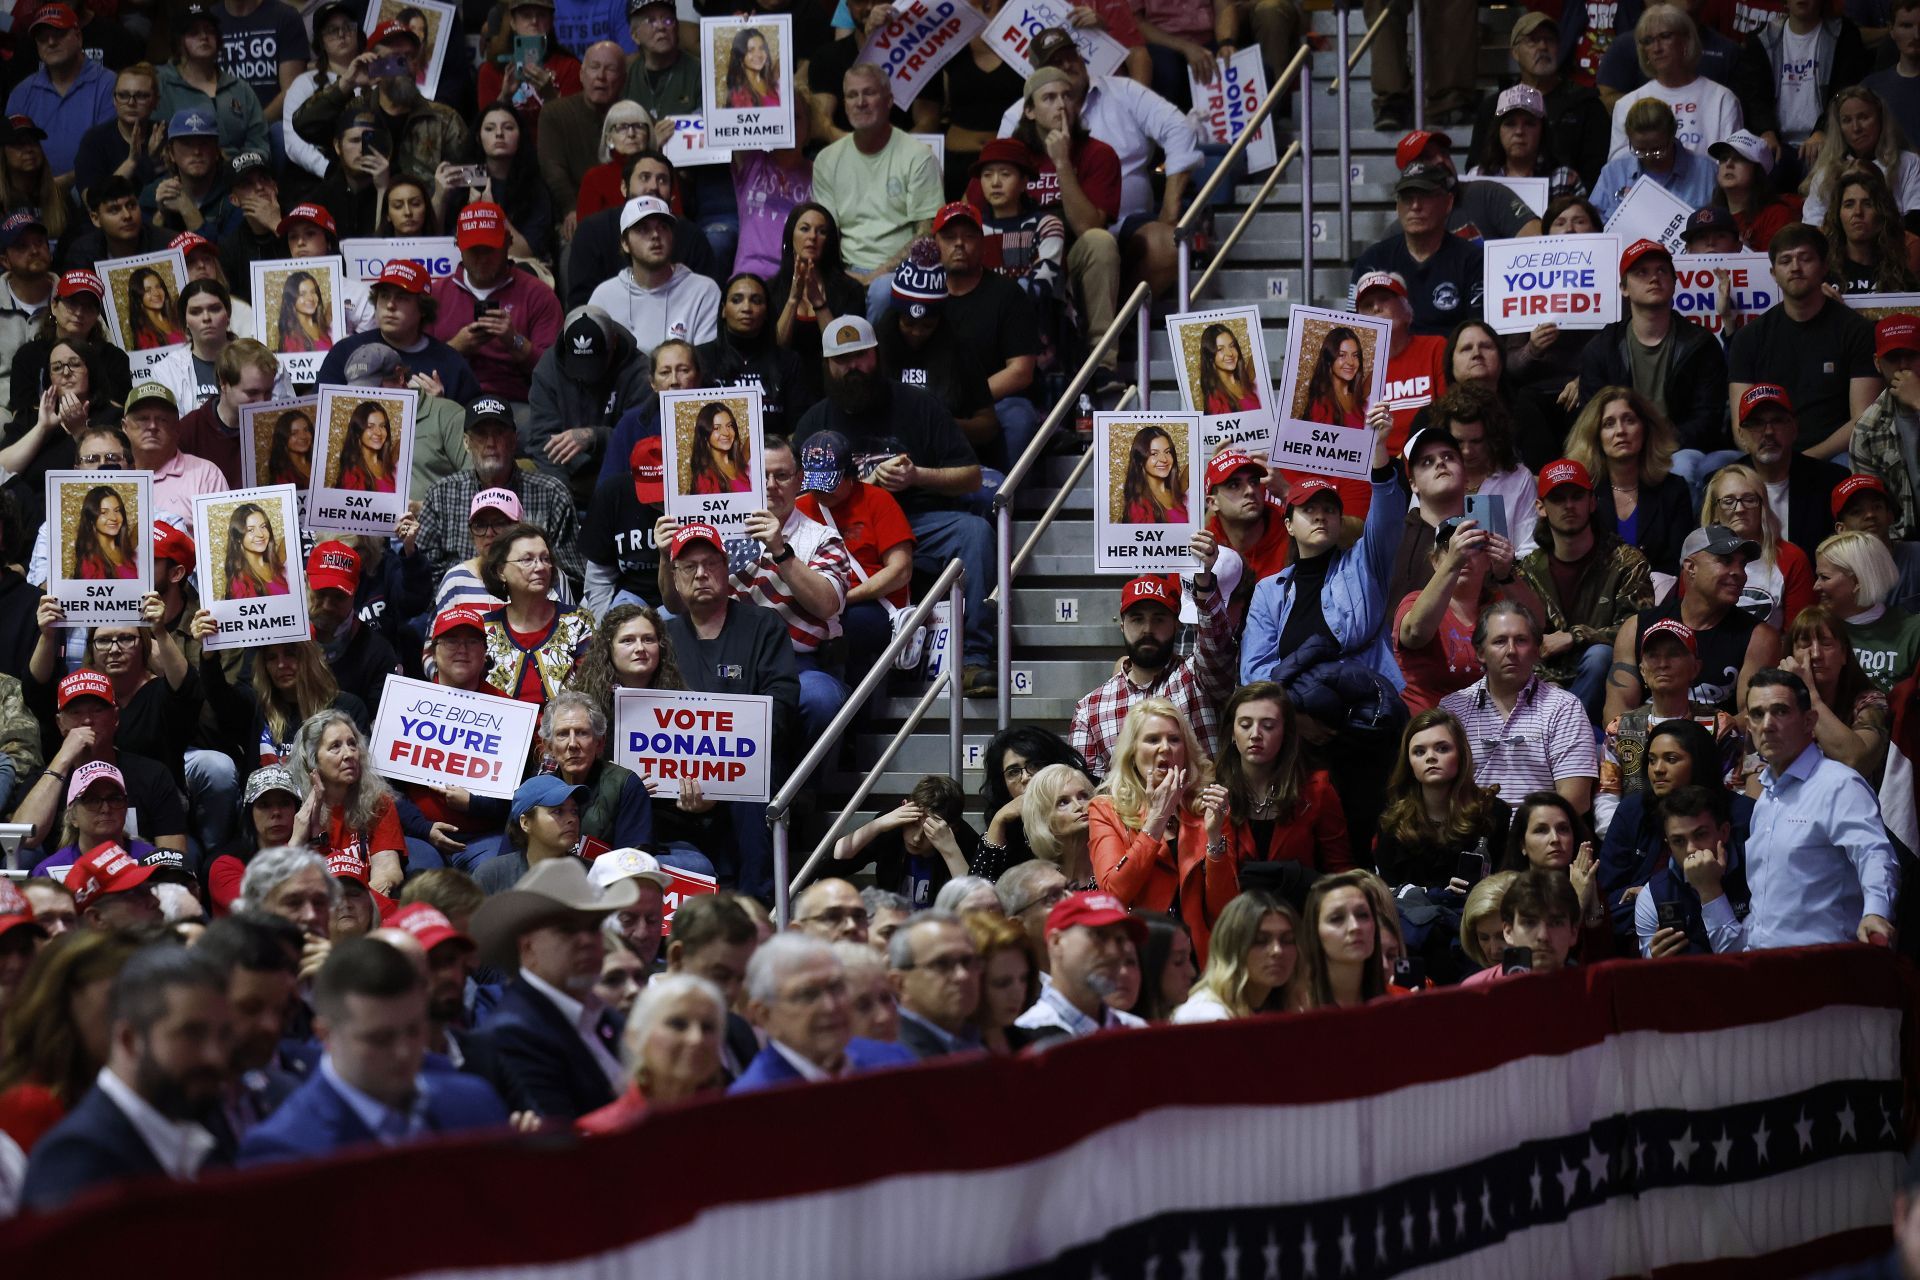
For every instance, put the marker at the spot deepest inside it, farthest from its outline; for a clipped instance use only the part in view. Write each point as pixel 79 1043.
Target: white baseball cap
pixel 616 865
pixel 642 207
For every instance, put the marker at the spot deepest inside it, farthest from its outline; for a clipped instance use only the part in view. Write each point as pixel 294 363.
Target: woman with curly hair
pixel 1337 392
pixel 629 650
pixel 151 309
pixel 1860 131
pixel 304 319
pixel 290 452
pixel 721 458
pixel 753 73
pixel 1155 488
pixel 1622 438
pixel 1226 375
pixel 369 458
pixel 348 807
pixel 256 557
pixel 1868 249
pixel 105 544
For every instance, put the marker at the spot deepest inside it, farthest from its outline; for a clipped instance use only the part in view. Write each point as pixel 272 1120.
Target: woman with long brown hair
pixel 1851 715
pixel 1869 250
pixel 370 455
pixel 1155 488
pixel 1337 391
pixel 1277 807
pixel 1339 961
pixel 1435 812
pixel 721 458
pixel 54 1032
pixel 106 543
pixel 1622 438
pixel 1226 375
pixel 256 557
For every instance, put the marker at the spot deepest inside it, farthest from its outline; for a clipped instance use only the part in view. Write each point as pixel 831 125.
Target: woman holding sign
pixel 1155 488
pixel 721 457
pixel 290 455
pixel 1224 373
pixel 753 77
pixel 105 544
pixel 1337 391
pixel 155 321
pixel 348 807
pixel 256 557
pixel 303 315
pixel 371 453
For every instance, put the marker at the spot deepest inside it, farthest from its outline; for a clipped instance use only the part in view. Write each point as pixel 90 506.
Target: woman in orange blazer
pixel 1148 825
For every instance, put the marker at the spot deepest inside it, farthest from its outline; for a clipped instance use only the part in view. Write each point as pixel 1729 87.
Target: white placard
pixel 363 451
pixel 746 82
pixel 100 545
pixel 1650 212
pixel 1222 109
pixel 722 741
pixel 1696 286
pixel 299 311
pixel 1012 29
pixel 366 259
pixel 1314 433
pixel 1148 495
pixel 936 143
pixel 714 442
pixel 688 147
pixel 1235 403
pixel 439 736
pixel 1569 281
pixel 440 20
pixel 252 580
pixel 920 38
pixel 1533 192
pixel 143 307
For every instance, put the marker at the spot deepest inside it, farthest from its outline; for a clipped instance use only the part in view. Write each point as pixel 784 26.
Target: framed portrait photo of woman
pixel 143 305
pixel 714 441
pixel 101 539
pixel 247 547
pixel 1152 477
pixel 432 23
pixel 362 459
pixel 746 82
pixel 1220 362
pixel 276 442
pixel 1336 371
pixel 299 312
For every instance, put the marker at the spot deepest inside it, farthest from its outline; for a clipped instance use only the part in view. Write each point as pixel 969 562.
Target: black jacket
pixel 1810 485
pixel 1664 517
pixel 537 1060
pixel 1696 390
pixel 95 1145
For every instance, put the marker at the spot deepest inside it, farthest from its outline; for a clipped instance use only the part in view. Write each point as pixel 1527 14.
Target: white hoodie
pixel 686 307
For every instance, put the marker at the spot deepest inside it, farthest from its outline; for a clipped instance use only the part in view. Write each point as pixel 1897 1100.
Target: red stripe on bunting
pixel 506 1202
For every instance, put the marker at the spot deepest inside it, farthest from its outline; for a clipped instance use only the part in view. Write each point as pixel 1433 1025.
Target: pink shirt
pixel 177 481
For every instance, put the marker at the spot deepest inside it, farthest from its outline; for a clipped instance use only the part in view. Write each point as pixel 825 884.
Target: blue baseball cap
pixel 19 224
pixel 825 460
pixel 190 122
pixel 544 790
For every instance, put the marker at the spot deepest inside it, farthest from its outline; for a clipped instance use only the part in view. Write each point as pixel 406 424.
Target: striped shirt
pixel 758 580
pixel 1547 738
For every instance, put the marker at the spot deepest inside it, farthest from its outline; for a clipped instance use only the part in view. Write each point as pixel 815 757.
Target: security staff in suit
pixel 797 995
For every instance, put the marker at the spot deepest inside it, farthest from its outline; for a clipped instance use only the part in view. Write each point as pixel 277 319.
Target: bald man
pixel 570 128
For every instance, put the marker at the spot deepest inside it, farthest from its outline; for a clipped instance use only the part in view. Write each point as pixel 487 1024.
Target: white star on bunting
pixel 1309 1253
pixel 1569 1180
pixel 1596 1163
pixel 1683 1148
pixel 1760 1139
pixel 1346 1246
pixel 1722 1148
pixel 1230 1257
pixel 1804 1129
pixel 1845 1117
pixel 1191 1258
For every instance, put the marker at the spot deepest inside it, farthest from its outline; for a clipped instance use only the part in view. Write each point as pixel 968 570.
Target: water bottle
pixel 1083 425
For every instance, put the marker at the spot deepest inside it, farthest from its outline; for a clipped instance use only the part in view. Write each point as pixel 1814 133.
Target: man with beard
pixel 1799 486
pixel 422 135
pixel 1150 624
pixel 1090 939
pixel 260 956
pixel 445 537
pixel 449 954
pixel 154 1110
pixel 906 442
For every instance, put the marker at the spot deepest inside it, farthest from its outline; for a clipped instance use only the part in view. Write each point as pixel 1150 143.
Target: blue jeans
pixel 879 294
pixel 213 792
pixel 821 695
pixel 939 536
pixel 1590 686
pixel 422 856
pixel 681 855
pixel 752 869
pixel 867 628
pixel 1020 421
pixel 1696 468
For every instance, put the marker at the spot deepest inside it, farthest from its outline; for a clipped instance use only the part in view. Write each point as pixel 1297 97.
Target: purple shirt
pixel 766 194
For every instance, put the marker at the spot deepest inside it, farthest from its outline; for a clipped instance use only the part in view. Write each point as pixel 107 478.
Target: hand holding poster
pixel 688 148
pixel 1569 281
pixel 100 531
pixel 1220 361
pixel 1012 29
pixel 299 311
pixel 247 552
pixel 432 24
pixel 143 305
pixel 1153 495
pixel 366 259
pixel 364 453
pixel 721 741
pixel 713 442
pixel 1650 212
pixel 1336 371
pixel 1224 106
pixel 746 82
pixel 920 38
pixel 439 736
pixel 1699 278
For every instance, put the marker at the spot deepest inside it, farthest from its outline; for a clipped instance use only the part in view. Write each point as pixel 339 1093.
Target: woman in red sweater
pixel 1277 809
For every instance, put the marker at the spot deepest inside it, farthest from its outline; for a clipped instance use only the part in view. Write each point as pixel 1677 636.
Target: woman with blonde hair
pixel 1255 950
pixel 1860 130
pixel 1851 715
pixel 1482 937
pixel 1669 47
pixel 1780 582
pixel 1340 961
pixel 671 1049
pixel 1053 813
pixel 1148 828
pixel 1623 441
pixel 1854 576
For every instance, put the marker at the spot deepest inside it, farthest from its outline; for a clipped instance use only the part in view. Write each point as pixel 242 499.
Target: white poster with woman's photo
pixel 1154 497
pixel 247 557
pixel 143 306
pixel 299 311
pixel 364 456
pixel 276 442
pixel 100 541
pixel 432 24
pixel 746 82
pixel 1220 361
pixel 713 445
pixel 1336 370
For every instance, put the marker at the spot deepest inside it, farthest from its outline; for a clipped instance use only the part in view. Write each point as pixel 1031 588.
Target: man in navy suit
pixel 371 1006
pixel 935 971
pixel 797 994
pixel 551 1046
pixel 260 956
pixel 154 1109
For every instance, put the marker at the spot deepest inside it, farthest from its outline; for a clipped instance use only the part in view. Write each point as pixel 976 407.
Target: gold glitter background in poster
pixel 722 48
pixel 273 286
pixel 339 412
pixel 685 414
pixel 1308 335
pixel 1190 356
pixel 73 496
pixel 1120 451
pixel 220 517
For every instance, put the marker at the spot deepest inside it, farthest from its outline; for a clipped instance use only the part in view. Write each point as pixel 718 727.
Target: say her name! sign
pixel 439 736
pixel 1569 281
pixel 720 741
pixel 920 38
pixel 1018 22
pixel 1696 286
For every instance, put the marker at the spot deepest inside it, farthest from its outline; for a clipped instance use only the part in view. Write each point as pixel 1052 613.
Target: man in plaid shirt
pixel 1149 622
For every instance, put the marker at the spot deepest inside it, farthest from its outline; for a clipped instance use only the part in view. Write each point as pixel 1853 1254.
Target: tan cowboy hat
pixel 555 888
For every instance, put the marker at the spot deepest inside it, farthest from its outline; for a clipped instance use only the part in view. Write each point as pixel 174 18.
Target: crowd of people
pixel 1612 654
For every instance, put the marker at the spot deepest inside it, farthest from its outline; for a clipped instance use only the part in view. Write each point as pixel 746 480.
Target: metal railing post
pixel 1420 68
pixel 1143 351
pixel 957 603
pixel 782 858
pixel 1306 184
pixel 1341 11
pixel 1003 617
pixel 1184 297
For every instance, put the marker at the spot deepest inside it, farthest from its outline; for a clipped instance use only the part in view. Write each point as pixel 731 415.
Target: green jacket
pixel 1622 587
pixel 19 731
pixel 432 135
pixel 235 109
pixel 1875 451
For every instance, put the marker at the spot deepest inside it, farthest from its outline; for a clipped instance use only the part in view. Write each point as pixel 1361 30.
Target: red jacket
pixel 1142 873
pixel 1316 836
pixel 533 310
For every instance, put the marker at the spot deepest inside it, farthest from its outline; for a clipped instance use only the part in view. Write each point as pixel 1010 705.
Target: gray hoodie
pixel 686 307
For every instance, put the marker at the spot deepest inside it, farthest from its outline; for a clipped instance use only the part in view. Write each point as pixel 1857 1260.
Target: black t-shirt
pixel 252 48
pixel 943 368
pixel 906 420
pixel 105 41
pixel 1814 361
pixel 916 877
pixel 155 808
pixel 618 531
pixel 163 723
pixel 995 319
pixel 1444 290
pixel 1723 651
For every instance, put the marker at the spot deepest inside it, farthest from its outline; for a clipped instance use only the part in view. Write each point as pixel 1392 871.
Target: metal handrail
pixel 779 809
pixel 1359 51
pixel 1246 220
pixel 1059 502
pixel 1196 210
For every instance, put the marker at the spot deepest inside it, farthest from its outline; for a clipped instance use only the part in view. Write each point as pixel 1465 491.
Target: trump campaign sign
pixel 721 741
pixel 1019 21
pixel 1224 106
pixel 1570 281
pixel 1697 280
pixel 443 737
pixel 366 259
pixel 920 38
